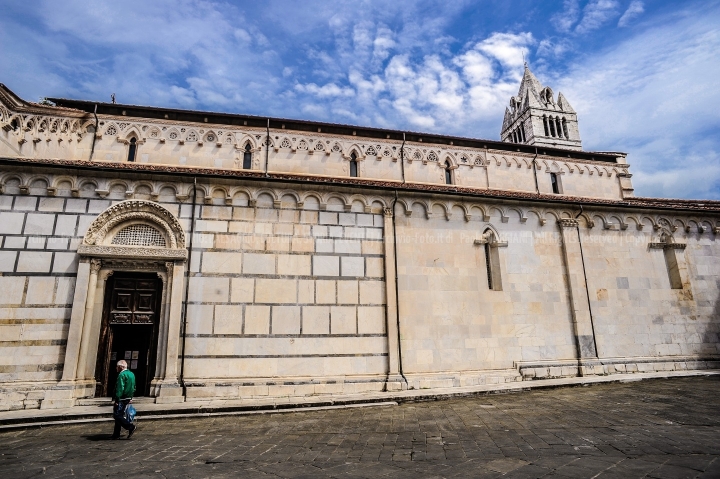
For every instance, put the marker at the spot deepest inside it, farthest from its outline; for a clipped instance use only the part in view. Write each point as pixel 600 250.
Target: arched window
pixel 353 165
pixel 555 182
pixel 565 129
pixel 545 124
pixel 552 127
pixel 558 127
pixel 14 124
pixel 247 157
pixel 448 173
pixel 522 133
pixel 132 149
pixel 492 261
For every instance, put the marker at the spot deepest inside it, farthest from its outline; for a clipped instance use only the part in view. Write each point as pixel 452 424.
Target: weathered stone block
pixel 214 262
pixel 343 320
pixel 76 205
pixel 228 319
pixel 328 218
pixel 353 266
pixel 209 290
pixel 200 318
pixel 257 319
pixel 293 265
pixel 242 290
pixel 25 203
pixel 286 320
pixel 257 263
pixel 325 291
pixel 34 262
pixel 11 223
pixel 7 261
pixel 316 320
pixel 65 263
pixel 372 292
pixel 40 290
pixel 275 291
pixel 306 291
pixel 371 320
pixel 326 265
pixel 347 292
pixel 39 224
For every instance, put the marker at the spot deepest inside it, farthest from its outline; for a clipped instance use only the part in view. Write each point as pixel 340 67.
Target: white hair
pixel 122 364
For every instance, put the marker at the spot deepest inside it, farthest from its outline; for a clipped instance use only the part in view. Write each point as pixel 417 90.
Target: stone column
pixel 579 303
pixel 394 380
pixel 72 349
pixel 95 265
pixel 170 390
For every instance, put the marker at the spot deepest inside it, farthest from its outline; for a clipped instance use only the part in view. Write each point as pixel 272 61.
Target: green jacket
pixel 125 385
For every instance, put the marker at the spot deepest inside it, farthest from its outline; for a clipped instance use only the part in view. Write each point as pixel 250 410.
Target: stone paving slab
pixel 667 428
pixel 146 408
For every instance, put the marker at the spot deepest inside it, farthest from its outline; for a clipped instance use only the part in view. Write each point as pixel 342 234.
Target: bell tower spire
pixel 535 117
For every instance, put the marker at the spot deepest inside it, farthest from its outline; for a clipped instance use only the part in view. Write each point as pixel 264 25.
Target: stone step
pixel 108 401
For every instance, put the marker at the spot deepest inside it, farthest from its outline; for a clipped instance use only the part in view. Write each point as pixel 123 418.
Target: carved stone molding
pixel 567 223
pixel 112 251
pixel 136 210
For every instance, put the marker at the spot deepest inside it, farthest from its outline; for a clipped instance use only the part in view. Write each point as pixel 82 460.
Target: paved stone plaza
pixel 658 428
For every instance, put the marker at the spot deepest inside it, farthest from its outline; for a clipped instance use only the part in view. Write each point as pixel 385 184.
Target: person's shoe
pixel 132 431
pixel 114 437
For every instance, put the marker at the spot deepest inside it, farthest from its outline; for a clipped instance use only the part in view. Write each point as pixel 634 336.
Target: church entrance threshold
pixel 129 330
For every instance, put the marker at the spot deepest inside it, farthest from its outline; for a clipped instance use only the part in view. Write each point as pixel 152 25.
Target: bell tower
pixel 535 117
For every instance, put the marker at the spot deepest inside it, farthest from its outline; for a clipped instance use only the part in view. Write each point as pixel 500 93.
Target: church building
pixel 228 256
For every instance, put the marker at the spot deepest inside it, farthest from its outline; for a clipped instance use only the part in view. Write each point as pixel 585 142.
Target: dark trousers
pixel 119 412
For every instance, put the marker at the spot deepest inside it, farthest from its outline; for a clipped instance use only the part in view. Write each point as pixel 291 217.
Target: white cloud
pixel 595 14
pixel 635 8
pixel 325 91
pixel 435 91
pixel 655 96
pixel 565 19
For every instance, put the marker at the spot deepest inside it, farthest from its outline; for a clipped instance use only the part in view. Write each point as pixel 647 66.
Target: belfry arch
pixel 141 244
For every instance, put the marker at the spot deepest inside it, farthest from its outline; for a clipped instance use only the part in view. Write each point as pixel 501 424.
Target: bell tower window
pixel 565 129
pixel 353 165
pixel 545 124
pixel 247 157
pixel 132 149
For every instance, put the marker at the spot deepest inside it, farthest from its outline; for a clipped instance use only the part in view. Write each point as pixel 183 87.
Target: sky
pixel 642 74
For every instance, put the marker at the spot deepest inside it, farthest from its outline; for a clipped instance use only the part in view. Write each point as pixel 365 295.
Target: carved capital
pixel 95 265
pixel 387 212
pixel 567 223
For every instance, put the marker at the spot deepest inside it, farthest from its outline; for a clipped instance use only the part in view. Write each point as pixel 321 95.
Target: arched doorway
pixel 128 301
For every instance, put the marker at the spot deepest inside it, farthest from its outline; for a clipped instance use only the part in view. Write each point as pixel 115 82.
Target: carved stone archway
pixel 132 235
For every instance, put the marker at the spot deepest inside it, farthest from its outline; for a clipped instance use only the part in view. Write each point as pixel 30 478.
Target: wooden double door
pixel 131 319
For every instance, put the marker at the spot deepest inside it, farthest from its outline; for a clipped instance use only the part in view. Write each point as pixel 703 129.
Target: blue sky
pixel 643 75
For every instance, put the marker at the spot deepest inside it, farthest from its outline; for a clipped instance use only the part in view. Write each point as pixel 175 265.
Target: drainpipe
pixel 402 166
pixel 92 148
pixel 587 288
pixel 537 187
pixel 187 287
pixel 267 148
pixel 397 289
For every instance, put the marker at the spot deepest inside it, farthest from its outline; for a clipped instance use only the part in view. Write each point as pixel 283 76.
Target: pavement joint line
pixel 194 409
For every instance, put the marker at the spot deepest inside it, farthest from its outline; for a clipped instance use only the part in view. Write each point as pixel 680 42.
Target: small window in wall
pixel 448 174
pixel 247 158
pixel 353 165
pixel 565 129
pixel 673 268
pixel 545 124
pixel 555 183
pixel 132 149
pixel 492 262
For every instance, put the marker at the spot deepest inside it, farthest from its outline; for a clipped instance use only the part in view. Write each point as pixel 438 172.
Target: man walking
pixel 124 391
